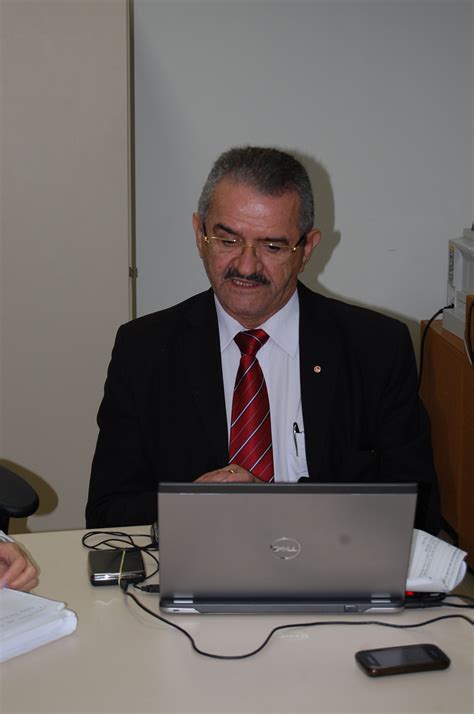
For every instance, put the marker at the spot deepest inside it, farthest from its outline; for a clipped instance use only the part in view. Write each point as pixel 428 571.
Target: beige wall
pixel 64 237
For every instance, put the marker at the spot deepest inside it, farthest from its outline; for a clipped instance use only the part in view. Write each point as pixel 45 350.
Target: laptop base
pixel 272 607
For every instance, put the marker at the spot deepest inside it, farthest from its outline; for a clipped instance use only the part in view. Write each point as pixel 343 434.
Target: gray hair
pixel 270 171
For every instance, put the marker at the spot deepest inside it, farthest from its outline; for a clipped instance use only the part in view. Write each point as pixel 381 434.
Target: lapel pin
pixel 317 368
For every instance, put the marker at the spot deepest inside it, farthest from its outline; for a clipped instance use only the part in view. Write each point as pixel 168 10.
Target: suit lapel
pixel 320 358
pixel 319 343
pixel 201 355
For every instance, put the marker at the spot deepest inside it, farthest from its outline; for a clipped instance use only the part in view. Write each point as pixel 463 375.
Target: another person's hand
pixel 16 569
pixel 232 473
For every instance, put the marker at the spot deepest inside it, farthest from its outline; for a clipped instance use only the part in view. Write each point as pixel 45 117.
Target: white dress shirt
pixel 279 360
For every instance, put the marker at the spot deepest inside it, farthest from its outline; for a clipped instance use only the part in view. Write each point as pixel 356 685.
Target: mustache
pixel 253 277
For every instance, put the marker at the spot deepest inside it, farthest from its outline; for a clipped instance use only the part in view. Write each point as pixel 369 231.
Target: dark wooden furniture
pixel 447 391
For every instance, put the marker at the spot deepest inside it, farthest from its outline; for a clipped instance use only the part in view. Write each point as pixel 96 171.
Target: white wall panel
pixel 64 238
pixel 375 95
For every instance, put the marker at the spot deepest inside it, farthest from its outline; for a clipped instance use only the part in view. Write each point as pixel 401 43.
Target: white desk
pixel 121 660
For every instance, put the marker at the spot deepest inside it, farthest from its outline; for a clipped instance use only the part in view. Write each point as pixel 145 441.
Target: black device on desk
pixel 401 660
pixel 416 600
pixel 108 567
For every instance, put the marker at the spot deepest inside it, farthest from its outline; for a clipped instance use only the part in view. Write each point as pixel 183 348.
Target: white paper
pixel 28 621
pixel 435 566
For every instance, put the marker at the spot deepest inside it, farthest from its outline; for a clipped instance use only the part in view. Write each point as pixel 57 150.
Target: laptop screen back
pixel 293 547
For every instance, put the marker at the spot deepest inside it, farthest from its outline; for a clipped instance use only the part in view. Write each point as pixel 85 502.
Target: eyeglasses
pixel 234 246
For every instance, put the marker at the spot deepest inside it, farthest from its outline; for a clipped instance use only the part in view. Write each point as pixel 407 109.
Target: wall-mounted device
pixel 460 281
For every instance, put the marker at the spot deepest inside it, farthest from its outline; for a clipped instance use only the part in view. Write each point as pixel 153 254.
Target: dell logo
pixel 285 548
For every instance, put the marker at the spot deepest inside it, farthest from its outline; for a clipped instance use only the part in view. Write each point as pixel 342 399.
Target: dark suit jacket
pixel 163 414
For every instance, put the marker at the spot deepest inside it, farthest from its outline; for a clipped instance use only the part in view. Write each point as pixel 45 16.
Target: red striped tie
pixel 250 432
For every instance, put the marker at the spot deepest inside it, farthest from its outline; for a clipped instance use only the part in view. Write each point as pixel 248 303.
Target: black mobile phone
pixel 107 566
pixel 399 660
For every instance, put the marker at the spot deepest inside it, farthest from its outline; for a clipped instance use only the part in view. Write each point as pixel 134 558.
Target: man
pixel 336 383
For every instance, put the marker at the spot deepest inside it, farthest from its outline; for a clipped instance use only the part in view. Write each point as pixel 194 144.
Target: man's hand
pixel 233 473
pixel 16 570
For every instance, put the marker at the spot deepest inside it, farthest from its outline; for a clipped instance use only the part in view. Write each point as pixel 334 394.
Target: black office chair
pixel 17 498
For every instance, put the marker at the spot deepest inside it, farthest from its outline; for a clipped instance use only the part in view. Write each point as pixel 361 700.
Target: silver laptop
pixel 284 548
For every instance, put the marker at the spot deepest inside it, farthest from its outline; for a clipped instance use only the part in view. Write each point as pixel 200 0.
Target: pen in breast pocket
pixel 296 430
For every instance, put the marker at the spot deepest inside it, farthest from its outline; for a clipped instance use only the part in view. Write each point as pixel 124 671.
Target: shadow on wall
pixel 48 498
pixel 330 238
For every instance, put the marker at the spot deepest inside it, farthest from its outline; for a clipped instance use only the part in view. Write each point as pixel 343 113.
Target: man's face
pixel 250 287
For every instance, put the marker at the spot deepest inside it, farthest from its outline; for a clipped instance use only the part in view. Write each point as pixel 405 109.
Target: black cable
pixel 425 332
pixel 469 345
pixel 118 536
pixel 127 539
pixel 462 596
pixel 155 589
pixel 469 598
pixel 124 586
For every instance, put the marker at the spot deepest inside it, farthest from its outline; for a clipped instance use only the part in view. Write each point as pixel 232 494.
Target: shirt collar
pixel 282 327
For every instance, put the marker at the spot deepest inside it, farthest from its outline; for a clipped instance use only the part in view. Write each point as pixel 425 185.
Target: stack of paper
pixel 435 566
pixel 29 621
